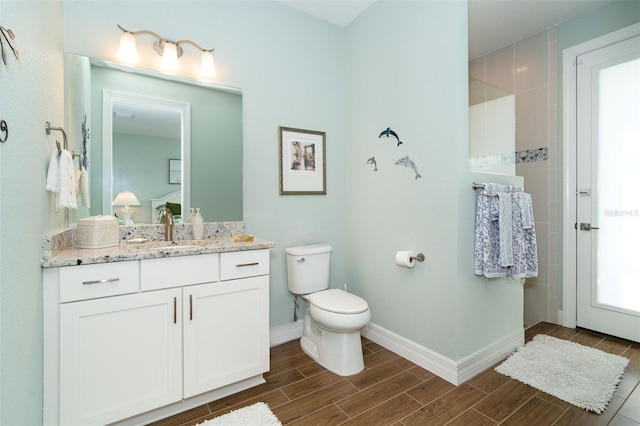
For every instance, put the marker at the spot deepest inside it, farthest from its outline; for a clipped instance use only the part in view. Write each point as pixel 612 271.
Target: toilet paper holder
pixel 419 257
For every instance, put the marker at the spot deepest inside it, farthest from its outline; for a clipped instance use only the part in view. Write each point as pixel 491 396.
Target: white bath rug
pixel 582 376
pixel 257 414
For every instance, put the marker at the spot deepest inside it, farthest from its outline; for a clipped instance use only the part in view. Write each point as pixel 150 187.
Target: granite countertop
pixel 59 249
pixel 149 250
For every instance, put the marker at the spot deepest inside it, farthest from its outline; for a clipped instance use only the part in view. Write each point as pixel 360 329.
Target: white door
pixel 608 190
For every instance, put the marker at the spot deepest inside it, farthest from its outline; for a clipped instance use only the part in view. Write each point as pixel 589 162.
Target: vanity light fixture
pixel 126 199
pixel 169 50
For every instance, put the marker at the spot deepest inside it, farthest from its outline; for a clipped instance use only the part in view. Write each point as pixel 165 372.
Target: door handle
pixel 587 227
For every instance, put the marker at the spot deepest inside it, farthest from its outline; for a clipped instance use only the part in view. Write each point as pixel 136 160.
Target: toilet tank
pixel 308 268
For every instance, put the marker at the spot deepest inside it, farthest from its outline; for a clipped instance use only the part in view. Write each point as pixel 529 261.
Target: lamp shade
pixel 126 198
pixel 170 55
pixel 207 66
pixel 128 51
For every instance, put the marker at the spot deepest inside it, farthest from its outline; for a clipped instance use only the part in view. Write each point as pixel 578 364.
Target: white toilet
pixel 333 321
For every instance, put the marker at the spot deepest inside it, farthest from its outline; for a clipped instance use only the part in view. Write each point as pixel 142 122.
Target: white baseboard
pixel 486 357
pixel 280 334
pixel 424 357
pixel 448 369
pixel 456 372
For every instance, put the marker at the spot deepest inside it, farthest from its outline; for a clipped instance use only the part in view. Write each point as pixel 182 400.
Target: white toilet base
pixel 340 353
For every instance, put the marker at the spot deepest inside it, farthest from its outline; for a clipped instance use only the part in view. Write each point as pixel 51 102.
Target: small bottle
pixel 198 225
pixel 191 215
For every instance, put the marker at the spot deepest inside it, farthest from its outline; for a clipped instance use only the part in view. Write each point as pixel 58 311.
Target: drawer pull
pixel 191 307
pixel 108 280
pixel 242 265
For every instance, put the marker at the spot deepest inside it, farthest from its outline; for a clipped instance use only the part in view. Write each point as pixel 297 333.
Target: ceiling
pixel 492 23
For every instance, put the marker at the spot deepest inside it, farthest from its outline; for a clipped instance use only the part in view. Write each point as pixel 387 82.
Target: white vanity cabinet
pixel 136 341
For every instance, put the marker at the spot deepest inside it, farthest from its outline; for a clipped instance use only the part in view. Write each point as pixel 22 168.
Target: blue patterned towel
pixel 512 252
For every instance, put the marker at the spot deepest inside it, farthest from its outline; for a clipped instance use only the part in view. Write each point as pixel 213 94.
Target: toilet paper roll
pixel 404 258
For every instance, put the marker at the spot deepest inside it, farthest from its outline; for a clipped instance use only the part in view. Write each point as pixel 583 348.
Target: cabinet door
pixel 119 356
pixel 226 333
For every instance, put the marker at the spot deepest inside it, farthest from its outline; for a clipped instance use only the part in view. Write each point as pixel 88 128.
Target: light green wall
pixel 31 92
pixel 618 14
pixel 438 304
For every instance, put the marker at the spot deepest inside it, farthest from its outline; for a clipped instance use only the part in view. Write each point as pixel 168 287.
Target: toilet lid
pixel 338 301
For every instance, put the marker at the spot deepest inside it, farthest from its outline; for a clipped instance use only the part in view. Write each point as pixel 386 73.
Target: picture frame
pixel 175 171
pixel 302 155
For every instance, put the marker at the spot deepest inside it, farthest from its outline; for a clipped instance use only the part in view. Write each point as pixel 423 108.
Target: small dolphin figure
pixel 372 160
pixel 404 161
pixel 388 132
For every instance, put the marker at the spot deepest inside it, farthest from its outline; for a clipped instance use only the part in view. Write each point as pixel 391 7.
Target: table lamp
pixel 126 199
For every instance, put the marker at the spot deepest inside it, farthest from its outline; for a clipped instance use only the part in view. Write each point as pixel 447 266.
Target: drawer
pixel 98 280
pixel 179 271
pixel 241 264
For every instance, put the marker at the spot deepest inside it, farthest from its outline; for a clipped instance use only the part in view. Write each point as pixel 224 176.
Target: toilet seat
pixel 338 301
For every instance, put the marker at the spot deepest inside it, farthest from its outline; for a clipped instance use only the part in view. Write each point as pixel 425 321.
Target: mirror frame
pixel 109 97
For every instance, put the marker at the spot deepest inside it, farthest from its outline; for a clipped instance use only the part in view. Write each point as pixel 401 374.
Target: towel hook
pixel 48 128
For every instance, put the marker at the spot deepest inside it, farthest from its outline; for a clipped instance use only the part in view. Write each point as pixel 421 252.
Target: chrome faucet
pixel 167 219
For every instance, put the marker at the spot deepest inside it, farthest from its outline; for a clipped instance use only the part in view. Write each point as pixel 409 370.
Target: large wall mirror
pixel 164 138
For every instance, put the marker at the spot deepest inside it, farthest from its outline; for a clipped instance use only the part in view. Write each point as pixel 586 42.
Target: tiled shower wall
pixel 529 69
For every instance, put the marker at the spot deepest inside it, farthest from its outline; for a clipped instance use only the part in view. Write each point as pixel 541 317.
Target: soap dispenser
pixel 191 215
pixel 198 225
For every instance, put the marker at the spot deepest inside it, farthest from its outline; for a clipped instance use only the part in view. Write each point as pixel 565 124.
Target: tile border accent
pixel 525 156
pixel 532 155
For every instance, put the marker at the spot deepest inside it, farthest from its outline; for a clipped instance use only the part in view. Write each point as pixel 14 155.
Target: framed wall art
pixel 302 162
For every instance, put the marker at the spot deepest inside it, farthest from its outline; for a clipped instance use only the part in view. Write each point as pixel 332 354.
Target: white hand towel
pixel 84 188
pixel 66 182
pixel 53 173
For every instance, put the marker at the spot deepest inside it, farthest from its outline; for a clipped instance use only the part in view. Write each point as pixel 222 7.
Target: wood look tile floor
pixel 394 391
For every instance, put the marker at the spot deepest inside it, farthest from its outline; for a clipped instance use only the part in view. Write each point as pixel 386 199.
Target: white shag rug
pixel 582 376
pixel 257 414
